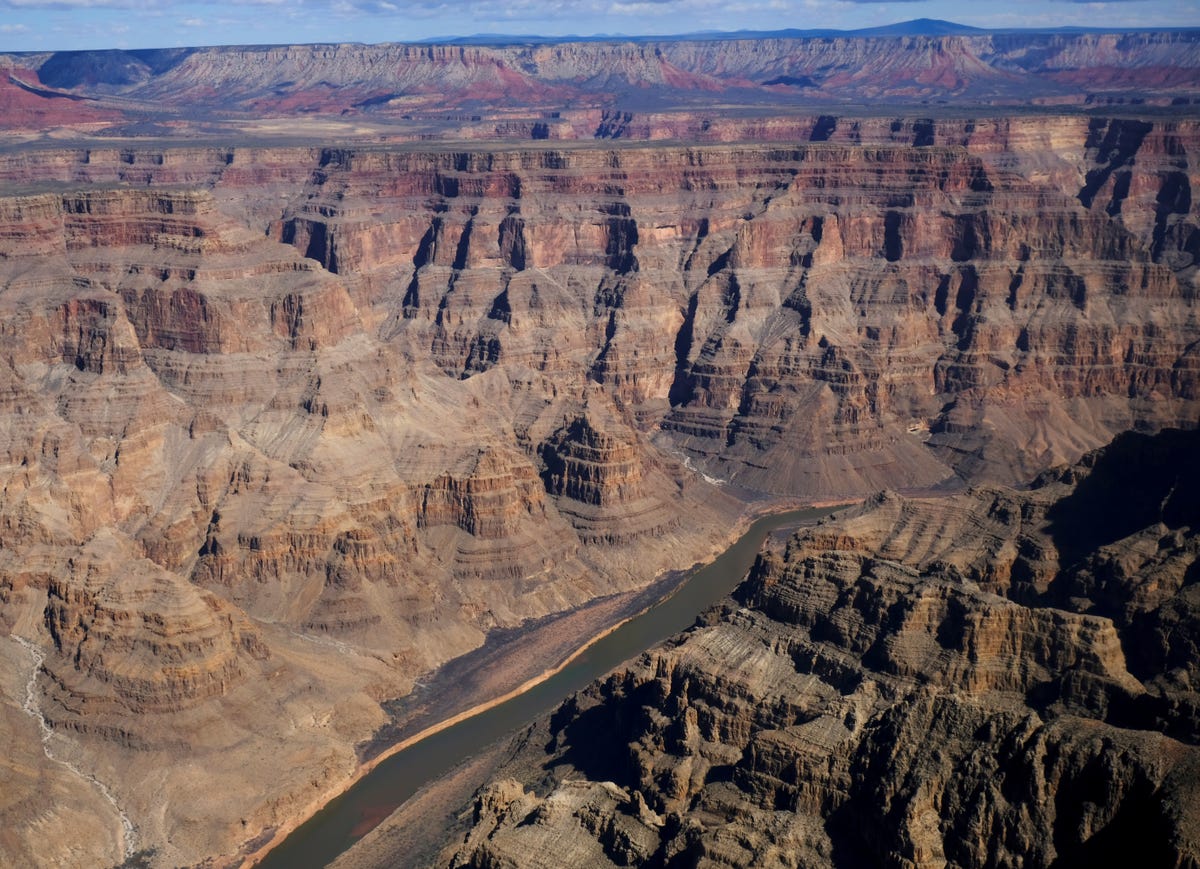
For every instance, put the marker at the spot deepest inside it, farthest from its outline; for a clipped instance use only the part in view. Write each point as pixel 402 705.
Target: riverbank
pixel 539 642
pixel 509 657
pixel 555 640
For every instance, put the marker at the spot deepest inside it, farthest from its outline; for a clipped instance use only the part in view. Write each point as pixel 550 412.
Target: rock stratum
pixel 287 428
pixel 1002 677
pixel 695 89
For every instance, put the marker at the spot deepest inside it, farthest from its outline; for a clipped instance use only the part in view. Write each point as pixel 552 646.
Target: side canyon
pixel 287 428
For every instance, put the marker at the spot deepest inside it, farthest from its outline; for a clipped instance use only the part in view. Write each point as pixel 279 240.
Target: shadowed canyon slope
pixel 998 678
pixel 285 429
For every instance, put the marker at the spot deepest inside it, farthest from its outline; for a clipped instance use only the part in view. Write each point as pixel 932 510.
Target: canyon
pixel 997 677
pixel 290 428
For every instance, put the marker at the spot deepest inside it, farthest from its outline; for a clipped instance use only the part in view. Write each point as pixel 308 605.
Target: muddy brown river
pixel 352 815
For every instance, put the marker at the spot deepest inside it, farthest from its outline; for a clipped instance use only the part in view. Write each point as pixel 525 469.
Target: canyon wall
pixel 237 516
pixel 568 90
pixel 286 429
pixel 820 319
pixel 995 678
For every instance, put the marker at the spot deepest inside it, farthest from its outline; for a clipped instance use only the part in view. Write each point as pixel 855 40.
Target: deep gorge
pixel 288 428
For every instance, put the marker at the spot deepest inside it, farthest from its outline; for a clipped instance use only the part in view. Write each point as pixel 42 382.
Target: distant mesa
pixel 502 86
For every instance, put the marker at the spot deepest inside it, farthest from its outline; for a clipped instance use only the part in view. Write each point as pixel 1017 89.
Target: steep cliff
pixel 236 519
pixel 821 319
pixel 285 430
pixel 999 677
pixel 581 89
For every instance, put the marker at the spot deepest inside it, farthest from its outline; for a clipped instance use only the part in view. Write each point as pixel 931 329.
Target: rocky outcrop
pixel 146 643
pixel 601 482
pixel 283 431
pixel 982 679
pixel 236 518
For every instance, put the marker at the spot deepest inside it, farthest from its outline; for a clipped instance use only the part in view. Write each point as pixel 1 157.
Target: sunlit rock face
pixel 1000 676
pixel 816 319
pixel 634 88
pixel 241 508
pixel 285 429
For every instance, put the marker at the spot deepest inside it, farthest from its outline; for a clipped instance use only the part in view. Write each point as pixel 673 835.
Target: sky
pixel 40 25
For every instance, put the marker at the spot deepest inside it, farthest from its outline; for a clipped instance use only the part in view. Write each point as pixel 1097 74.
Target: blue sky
pixel 37 25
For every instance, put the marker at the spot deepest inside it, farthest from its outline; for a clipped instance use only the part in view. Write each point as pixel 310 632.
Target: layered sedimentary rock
pixel 236 518
pixel 635 88
pixel 599 476
pixel 284 431
pixel 1002 676
pixel 821 318
pixel 29 106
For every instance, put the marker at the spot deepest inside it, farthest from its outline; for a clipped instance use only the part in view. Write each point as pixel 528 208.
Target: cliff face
pixel 997 677
pixel 284 430
pixel 562 90
pixel 237 515
pixel 824 318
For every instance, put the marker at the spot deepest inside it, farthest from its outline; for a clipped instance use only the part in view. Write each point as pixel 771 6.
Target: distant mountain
pixel 921 27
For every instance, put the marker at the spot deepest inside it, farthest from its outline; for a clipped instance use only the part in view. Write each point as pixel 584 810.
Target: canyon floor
pixel 314 396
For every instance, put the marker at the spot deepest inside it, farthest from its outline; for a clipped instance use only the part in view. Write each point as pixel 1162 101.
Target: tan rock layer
pixel 266 464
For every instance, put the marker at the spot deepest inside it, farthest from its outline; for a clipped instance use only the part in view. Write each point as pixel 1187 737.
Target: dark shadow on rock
pixel 1137 481
pixel 1138 835
pixel 597 738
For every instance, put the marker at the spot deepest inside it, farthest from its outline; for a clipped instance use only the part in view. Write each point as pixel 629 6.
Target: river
pixel 350 816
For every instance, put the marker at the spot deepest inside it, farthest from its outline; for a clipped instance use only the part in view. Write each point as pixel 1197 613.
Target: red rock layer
pixel 262 405
pixel 541 91
pixel 818 314
pixel 30 106
pixel 210 400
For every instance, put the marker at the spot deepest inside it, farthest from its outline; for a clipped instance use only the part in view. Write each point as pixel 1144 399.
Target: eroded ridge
pixel 643 88
pixel 259 404
pixel 1003 675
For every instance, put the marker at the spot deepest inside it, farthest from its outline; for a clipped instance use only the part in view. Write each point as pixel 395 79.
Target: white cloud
pixel 13 28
